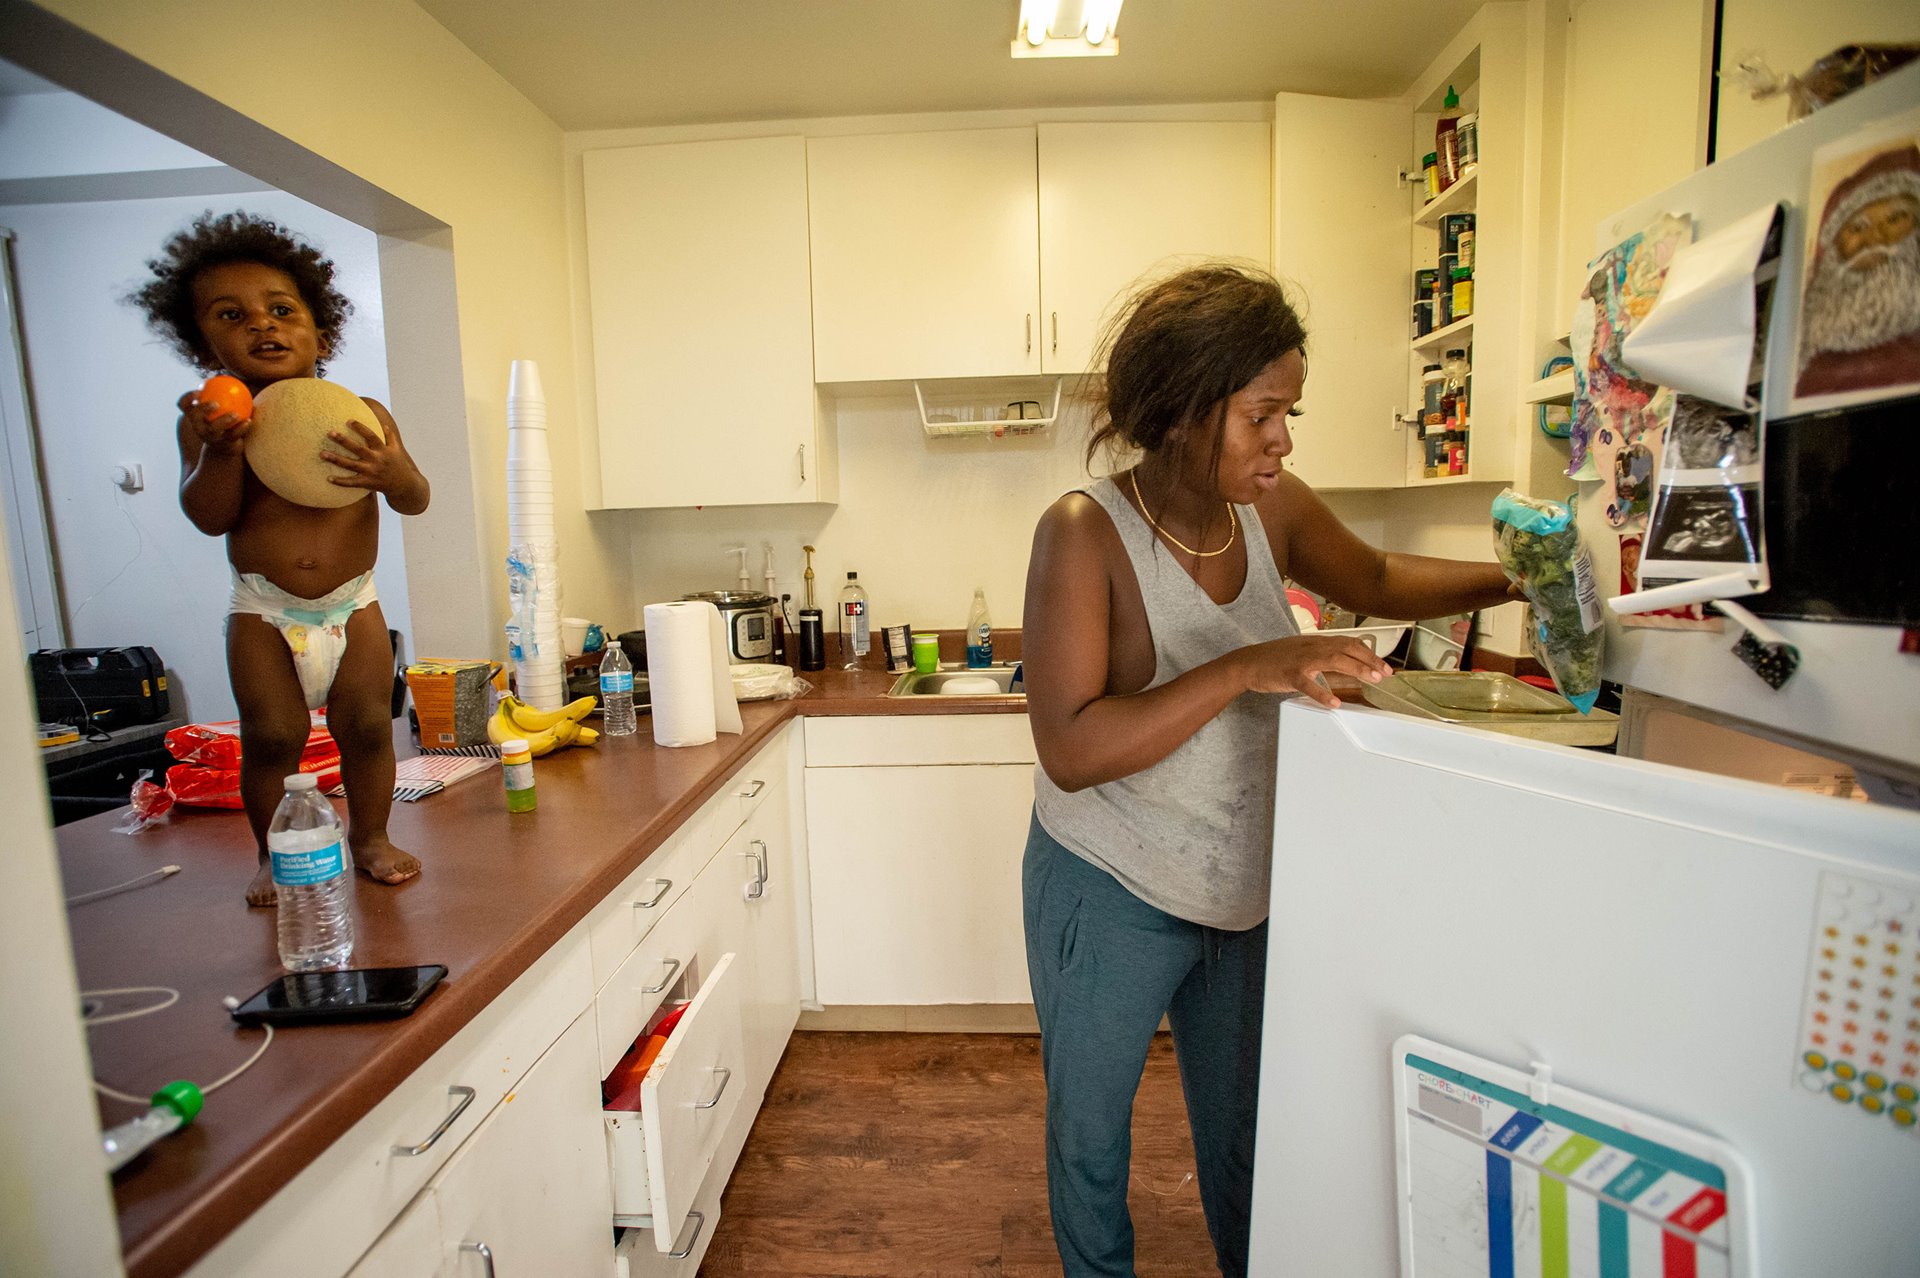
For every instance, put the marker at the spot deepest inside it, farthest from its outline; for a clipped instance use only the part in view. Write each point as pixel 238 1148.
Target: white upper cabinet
pixel 1123 201
pixel 997 252
pixel 702 325
pixel 1340 243
pixel 925 255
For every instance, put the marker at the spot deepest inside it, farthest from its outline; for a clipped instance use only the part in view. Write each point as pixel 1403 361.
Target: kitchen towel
pixel 691 683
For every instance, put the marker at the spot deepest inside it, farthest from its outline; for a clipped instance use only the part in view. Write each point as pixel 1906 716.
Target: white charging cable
pixel 170 997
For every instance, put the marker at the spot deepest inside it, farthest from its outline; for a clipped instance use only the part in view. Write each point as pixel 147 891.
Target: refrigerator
pixel 1533 1010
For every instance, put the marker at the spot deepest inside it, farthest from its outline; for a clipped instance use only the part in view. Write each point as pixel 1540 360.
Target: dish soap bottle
pixel 856 635
pixel 979 632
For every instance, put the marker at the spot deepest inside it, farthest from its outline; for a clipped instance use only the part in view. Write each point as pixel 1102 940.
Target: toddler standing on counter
pixel 238 294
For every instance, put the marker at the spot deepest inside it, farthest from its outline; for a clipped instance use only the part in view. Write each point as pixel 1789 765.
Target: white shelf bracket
pixel 1540 1086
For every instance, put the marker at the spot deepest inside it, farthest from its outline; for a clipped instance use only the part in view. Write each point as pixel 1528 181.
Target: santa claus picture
pixel 1860 307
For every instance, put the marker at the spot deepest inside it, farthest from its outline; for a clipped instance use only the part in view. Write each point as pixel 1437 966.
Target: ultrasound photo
pixel 1704 435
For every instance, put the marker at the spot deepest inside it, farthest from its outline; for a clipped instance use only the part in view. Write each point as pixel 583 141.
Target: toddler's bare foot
pixel 260 891
pixel 382 862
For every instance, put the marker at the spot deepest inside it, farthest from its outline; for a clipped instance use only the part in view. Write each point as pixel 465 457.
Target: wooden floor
pixel 909 1154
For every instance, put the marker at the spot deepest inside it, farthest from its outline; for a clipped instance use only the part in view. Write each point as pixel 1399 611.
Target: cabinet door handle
pixel 673 969
pixel 666 886
pixel 1029 332
pixel 803 463
pixel 699 1223
pixel 757 888
pixel 483 1251
pixel 466 1095
pixel 1056 332
pixel 753 793
pixel 726 1076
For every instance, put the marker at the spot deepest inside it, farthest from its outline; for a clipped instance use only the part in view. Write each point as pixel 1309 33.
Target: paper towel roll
pixel 687 674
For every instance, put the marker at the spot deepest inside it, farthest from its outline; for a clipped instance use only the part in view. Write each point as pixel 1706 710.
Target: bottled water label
pixel 303 867
pixel 616 681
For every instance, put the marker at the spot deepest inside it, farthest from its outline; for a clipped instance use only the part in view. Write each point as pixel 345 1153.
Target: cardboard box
pixel 453 700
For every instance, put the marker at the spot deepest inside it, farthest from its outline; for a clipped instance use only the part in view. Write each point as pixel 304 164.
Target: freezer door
pixel 1650 933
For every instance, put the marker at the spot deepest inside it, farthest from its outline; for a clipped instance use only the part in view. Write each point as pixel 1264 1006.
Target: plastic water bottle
pixel 979 632
pixel 616 693
pixel 312 875
pixel 174 1106
pixel 856 633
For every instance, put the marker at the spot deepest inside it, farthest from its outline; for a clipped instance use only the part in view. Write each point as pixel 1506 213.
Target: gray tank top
pixel 1193 834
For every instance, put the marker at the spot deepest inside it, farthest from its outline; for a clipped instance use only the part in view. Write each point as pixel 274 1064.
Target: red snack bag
pixel 220 787
pixel 217 745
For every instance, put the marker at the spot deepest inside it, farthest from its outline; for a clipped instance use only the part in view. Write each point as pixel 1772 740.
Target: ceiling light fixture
pixel 1067 29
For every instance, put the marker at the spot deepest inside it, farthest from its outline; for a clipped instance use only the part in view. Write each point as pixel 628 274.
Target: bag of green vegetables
pixel 1540 549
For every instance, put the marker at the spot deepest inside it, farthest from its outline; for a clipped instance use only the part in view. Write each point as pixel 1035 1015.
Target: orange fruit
pixel 223 394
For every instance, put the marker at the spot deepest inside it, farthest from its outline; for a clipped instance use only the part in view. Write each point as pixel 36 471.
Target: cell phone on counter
pixel 350 994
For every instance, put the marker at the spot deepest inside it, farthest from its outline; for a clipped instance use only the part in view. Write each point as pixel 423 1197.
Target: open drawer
pixel 661 1154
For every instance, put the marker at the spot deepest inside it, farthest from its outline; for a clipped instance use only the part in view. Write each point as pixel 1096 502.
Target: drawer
pixel 660 1156
pixel 636 1256
pixel 333 1211
pixel 633 992
pixel 918 740
pixel 630 911
pixel 754 784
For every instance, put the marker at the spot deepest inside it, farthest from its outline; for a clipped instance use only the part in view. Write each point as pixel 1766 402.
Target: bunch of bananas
pixel 544 731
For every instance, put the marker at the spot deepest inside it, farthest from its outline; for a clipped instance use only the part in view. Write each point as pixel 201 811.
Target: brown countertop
pixel 495 894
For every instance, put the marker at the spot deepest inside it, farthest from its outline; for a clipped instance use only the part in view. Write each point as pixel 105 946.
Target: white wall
pixel 1789 35
pixel 1636 114
pixel 922 520
pixel 56 1211
pixel 64 135
pixel 132 569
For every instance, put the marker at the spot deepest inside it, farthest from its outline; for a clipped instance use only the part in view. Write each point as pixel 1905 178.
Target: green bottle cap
pixel 182 1097
pixel 1452 99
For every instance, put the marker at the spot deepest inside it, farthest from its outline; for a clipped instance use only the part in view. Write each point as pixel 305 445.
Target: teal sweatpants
pixel 1105 965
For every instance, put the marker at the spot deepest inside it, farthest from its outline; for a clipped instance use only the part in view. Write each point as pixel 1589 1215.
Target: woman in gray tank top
pixel 1158 642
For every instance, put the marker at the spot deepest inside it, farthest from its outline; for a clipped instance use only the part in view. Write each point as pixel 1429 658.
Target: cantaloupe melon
pixel 291 421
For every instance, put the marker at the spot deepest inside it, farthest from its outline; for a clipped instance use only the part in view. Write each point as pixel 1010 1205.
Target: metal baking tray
pixel 1496 702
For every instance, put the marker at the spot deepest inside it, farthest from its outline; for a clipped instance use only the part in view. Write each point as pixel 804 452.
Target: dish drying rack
pixel 958 413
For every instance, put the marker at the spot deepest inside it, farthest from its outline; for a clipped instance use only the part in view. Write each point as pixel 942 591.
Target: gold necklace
pixel 1233 524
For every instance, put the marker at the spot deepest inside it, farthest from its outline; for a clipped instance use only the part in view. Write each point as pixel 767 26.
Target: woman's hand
pixel 1296 664
pixel 217 432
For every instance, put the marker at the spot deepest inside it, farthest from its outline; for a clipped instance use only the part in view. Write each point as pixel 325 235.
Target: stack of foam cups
pixel 533 551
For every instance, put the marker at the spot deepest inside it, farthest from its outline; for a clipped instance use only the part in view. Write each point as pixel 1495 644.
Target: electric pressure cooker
pixel 748 618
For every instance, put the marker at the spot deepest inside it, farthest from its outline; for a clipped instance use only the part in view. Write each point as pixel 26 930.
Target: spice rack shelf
pixel 1458 198
pixel 1454 334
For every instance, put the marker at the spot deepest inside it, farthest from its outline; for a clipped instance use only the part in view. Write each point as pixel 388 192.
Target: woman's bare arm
pixel 1083 735
pixel 1322 555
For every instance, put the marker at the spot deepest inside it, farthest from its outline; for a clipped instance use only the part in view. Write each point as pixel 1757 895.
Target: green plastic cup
pixel 926 653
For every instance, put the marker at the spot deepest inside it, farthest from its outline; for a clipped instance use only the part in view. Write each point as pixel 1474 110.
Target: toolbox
pixel 106 688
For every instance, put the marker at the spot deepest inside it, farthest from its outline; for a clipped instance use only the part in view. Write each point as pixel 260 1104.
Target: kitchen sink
pixel 958 681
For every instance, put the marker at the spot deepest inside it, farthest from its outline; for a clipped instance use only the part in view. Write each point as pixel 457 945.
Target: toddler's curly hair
pixel 217 240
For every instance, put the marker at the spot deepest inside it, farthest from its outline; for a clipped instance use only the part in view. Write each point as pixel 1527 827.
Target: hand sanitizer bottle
pixel 979 632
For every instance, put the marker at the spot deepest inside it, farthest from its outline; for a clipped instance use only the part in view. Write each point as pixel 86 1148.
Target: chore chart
pixel 1503 1174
